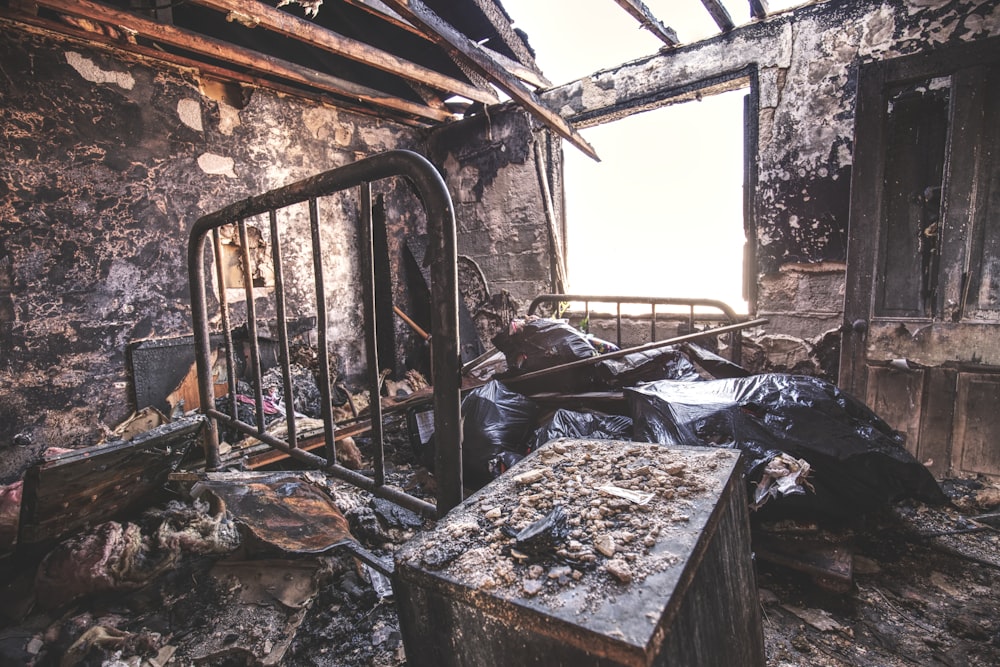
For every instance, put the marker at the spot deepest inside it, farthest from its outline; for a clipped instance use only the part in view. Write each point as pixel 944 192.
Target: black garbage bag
pixel 569 424
pixel 716 366
pixel 858 462
pixel 665 363
pixel 496 422
pixel 540 343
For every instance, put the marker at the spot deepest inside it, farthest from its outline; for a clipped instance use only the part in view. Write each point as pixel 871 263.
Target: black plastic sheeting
pixel 570 424
pixel 858 461
pixel 665 363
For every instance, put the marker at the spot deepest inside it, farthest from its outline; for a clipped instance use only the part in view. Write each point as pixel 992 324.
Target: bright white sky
pixel 662 213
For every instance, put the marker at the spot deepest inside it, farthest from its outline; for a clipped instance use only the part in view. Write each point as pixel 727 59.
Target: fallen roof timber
pixel 294 27
pixel 253 60
pixel 459 46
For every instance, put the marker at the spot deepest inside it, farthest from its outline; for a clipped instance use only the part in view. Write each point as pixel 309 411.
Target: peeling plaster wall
pixel 488 162
pixel 807 63
pixel 106 163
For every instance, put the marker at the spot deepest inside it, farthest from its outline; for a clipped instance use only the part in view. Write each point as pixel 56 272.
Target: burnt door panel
pixel 916 133
pixel 921 338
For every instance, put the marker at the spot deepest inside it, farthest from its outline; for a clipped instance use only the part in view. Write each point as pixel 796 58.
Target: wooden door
pixel 921 342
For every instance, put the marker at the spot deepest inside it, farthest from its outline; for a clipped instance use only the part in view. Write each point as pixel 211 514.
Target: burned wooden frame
pixel 433 194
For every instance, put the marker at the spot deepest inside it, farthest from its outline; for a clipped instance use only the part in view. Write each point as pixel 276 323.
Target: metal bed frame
pixel 722 313
pixel 446 380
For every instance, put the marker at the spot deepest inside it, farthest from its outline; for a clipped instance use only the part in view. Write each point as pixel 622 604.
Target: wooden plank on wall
pixel 305 31
pixel 258 62
pixel 460 47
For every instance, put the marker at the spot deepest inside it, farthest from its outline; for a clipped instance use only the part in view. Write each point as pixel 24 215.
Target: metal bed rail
pixel 722 312
pixel 446 379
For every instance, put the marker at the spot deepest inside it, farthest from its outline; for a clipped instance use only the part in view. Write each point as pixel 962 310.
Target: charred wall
pixel 805 63
pixel 106 163
pixel 489 162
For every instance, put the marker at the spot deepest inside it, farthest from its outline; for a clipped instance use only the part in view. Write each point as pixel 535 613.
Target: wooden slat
pixel 719 14
pixel 251 59
pixel 641 13
pixel 759 9
pixel 527 74
pixel 294 27
pixel 459 46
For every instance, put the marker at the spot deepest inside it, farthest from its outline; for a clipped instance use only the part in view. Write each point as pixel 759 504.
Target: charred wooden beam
pixel 759 9
pixel 459 46
pixel 719 14
pixel 258 62
pixel 500 21
pixel 525 73
pixel 288 25
pixel 641 13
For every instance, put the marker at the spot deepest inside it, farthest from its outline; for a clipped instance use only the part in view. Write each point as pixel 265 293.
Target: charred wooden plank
pixel 258 62
pixel 459 46
pixel 644 16
pixel 759 9
pixel 529 75
pixel 719 14
pixel 94 484
pixel 291 26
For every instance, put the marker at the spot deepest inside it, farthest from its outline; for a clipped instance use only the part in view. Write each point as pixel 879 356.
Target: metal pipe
pixel 322 324
pixel 283 352
pixel 252 339
pixel 590 361
pixel 368 297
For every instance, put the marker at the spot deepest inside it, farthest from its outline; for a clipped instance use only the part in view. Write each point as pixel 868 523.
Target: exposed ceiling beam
pixel 759 9
pixel 258 62
pixel 458 46
pixel 719 14
pixel 294 27
pixel 502 24
pixel 529 75
pixel 84 38
pixel 641 13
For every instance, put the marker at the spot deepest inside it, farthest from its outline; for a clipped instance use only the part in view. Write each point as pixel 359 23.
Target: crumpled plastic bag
pixel 857 460
pixel 569 424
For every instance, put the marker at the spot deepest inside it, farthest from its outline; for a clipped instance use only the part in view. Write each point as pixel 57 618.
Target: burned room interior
pixel 294 372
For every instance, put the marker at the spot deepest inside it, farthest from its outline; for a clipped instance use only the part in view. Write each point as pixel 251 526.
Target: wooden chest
pixel 589 552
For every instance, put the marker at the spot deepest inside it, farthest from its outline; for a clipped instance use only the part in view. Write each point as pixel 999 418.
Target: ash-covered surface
pixel 577 523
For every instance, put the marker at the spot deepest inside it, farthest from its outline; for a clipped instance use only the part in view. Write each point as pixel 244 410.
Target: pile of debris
pixel 246 567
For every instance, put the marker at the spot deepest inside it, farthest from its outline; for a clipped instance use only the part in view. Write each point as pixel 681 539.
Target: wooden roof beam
pixel 459 46
pixel 759 9
pixel 288 25
pixel 258 62
pixel 719 14
pixel 641 13
pixel 527 74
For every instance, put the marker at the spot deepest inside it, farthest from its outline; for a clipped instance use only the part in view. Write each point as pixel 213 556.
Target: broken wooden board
pixel 831 565
pixel 88 486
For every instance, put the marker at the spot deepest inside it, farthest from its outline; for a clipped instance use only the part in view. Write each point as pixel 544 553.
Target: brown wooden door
pixel 921 342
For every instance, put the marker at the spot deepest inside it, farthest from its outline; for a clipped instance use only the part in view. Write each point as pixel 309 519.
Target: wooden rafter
pixel 759 9
pixel 501 23
pixel 459 46
pixel 263 64
pixel 529 75
pixel 719 14
pixel 84 38
pixel 294 27
pixel 641 13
